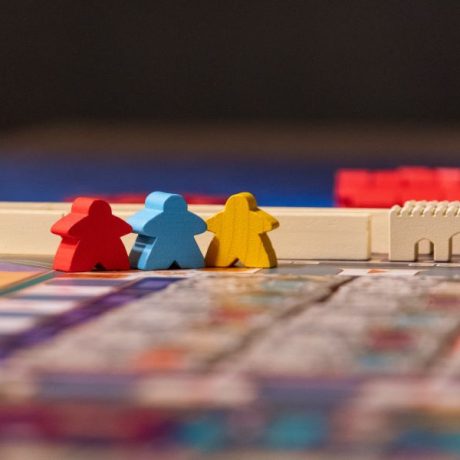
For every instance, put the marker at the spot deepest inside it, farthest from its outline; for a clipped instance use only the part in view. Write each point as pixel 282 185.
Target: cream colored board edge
pixel 323 236
pixel 24 230
pixel 24 227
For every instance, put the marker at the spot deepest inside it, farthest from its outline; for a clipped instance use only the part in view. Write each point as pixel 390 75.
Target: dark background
pixel 209 97
pixel 210 60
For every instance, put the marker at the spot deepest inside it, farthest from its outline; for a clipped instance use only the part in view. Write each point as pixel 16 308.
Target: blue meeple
pixel 166 234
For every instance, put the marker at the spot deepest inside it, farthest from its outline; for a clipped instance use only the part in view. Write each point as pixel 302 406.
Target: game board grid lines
pixel 84 309
pixel 162 317
pixel 412 322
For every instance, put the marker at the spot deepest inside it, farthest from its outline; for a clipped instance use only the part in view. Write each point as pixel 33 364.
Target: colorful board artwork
pixel 323 358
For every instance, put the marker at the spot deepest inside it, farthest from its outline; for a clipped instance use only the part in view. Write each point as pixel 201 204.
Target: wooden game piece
pixel 90 238
pixel 416 221
pixel 240 234
pixel 166 234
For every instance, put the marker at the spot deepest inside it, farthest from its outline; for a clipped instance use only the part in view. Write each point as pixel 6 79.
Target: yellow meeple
pixel 240 234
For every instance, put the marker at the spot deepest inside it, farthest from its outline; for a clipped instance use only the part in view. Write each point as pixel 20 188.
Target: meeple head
pixel 169 202
pixel 91 207
pixel 243 200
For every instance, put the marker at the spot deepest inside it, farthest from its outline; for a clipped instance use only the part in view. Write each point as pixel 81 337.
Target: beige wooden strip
pixel 323 236
pixel 304 233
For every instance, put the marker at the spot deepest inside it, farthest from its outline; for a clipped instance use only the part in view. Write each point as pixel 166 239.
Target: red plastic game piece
pixel 91 238
pixel 362 188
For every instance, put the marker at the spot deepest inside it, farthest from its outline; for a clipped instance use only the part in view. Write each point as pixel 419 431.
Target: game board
pixel 328 359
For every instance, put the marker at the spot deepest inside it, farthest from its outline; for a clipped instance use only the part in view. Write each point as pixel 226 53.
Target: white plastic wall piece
pixel 416 221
